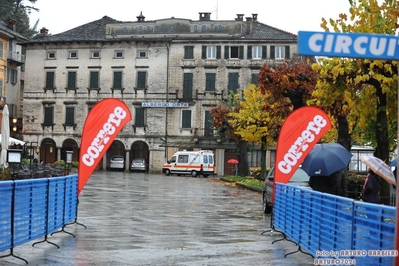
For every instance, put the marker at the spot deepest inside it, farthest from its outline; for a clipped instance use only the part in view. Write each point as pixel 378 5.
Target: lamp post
pixel 31 149
pixel 14 156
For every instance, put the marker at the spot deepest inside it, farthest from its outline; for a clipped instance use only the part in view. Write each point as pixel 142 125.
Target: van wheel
pixel 205 176
pixel 167 172
pixel 194 173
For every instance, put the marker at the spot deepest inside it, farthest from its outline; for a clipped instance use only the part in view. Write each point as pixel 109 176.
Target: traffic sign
pixel 351 45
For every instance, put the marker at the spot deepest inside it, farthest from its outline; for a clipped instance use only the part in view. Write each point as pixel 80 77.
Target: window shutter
pixel 233 82
pixel 249 52
pixel 272 52
pixel 210 81
pixel 48 116
pixel 187 85
pixel 208 124
pixel 218 52
pixel 1 49
pixel 141 80
pixel 264 52
pixel 69 116
pixel 139 117
pixel 287 52
pixel 188 52
pixel 117 80
pixel 203 52
pixel 254 78
pixel 94 80
pixel 226 52
pixel 241 52
pixel 71 80
pixel 49 80
pixel 186 118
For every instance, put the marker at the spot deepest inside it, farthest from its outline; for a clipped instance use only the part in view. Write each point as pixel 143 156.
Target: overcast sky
pixel 289 15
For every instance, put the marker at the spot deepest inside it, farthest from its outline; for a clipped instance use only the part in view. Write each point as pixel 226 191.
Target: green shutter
pixel 264 52
pixel 188 85
pixel 218 51
pixel 203 52
pixel 186 118
pixel 71 80
pixel 1 49
pixel 50 80
pixel 141 80
pixel 287 52
pixel 70 116
pixel 241 52
pixel 117 80
pixel 233 82
pixel 208 132
pixel 94 80
pixel 226 52
pixel 139 116
pixel 254 78
pixel 272 52
pixel 210 81
pixel 249 52
pixel 48 116
pixel 188 52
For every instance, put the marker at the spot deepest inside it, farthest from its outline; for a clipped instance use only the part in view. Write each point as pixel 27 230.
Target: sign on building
pixel 351 45
pixel 164 104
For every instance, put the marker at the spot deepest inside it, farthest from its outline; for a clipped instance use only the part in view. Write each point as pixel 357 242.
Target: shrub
pixel 59 163
pixel 5 174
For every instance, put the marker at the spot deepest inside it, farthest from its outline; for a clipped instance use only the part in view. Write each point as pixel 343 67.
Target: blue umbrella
pixel 394 162
pixel 325 159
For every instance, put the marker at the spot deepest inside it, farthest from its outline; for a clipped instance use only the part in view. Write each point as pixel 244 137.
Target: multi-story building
pixel 170 72
pixel 11 74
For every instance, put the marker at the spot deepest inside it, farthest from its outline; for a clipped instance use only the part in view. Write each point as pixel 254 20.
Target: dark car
pixel 300 178
pixel 117 162
pixel 138 164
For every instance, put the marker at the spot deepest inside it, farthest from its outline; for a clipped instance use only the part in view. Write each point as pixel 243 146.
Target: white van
pixel 192 163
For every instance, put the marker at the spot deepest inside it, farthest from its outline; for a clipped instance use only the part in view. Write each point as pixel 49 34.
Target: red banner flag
pixel 300 132
pixel 102 125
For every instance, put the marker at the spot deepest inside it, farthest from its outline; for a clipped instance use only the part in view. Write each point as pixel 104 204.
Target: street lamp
pixel 31 149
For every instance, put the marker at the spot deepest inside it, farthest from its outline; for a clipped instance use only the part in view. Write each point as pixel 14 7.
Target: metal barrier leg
pixel 272 228
pixel 299 250
pixel 13 255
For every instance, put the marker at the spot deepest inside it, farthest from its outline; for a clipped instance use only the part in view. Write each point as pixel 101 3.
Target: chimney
pixel 204 16
pixel 140 18
pixel 248 25
pixel 254 17
pixel 43 31
pixel 239 17
pixel 12 24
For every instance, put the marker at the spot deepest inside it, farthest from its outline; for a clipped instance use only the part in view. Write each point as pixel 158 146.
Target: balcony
pixel 16 57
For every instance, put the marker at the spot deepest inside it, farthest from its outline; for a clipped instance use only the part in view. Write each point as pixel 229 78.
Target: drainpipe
pixel 167 98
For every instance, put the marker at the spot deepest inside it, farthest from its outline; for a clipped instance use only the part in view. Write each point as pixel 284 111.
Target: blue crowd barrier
pixel 333 227
pixel 34 208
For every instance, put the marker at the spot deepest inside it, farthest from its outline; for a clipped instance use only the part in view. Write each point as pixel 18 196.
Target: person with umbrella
pixel 371 188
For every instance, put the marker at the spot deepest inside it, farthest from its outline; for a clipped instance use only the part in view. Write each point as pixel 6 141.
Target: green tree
pixel 365 85
pixel 15 9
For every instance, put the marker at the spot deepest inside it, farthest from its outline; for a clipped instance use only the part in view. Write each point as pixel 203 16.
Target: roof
pixel 96 31
pixel 4 27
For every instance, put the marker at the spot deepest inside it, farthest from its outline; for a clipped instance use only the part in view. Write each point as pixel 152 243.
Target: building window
pixel 118 54
pixel 186 119
pixel 211 52
pixel 95 54
pixel 233 52
pixel 139 120
pixel 12 75
pixel 141 80
pixel 208 128
pixel 71 83
pixel 48 116
pixel 70 116
pixel 50 55
pixel 50 80
pixel 188 86
pixel 188 52
pixel 210 82
pixel 233 82
pixel 256 52
pixel 94 80
pixel 254 78
pixel 1 49
pixel 117 84
pixel 279 52
pixel 73 54
pixel 142 54
pixel 1 88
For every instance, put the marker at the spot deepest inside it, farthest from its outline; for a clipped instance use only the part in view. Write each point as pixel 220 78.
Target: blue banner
pixel 351 45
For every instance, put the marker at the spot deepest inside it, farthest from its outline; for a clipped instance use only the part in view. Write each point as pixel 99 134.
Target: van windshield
pixel 173 159
pixel 210 159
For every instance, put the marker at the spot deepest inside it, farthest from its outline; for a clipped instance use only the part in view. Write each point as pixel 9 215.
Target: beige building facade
pixel 170 72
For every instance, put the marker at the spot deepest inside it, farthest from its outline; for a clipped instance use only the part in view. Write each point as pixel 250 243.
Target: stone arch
pixel 139 149
pixel 48 151
pixel 117 148
pixel 70 145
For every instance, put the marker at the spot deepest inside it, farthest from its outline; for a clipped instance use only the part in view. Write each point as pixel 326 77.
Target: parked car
pixel 138 164
pixel 117 162
pixel 300 178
